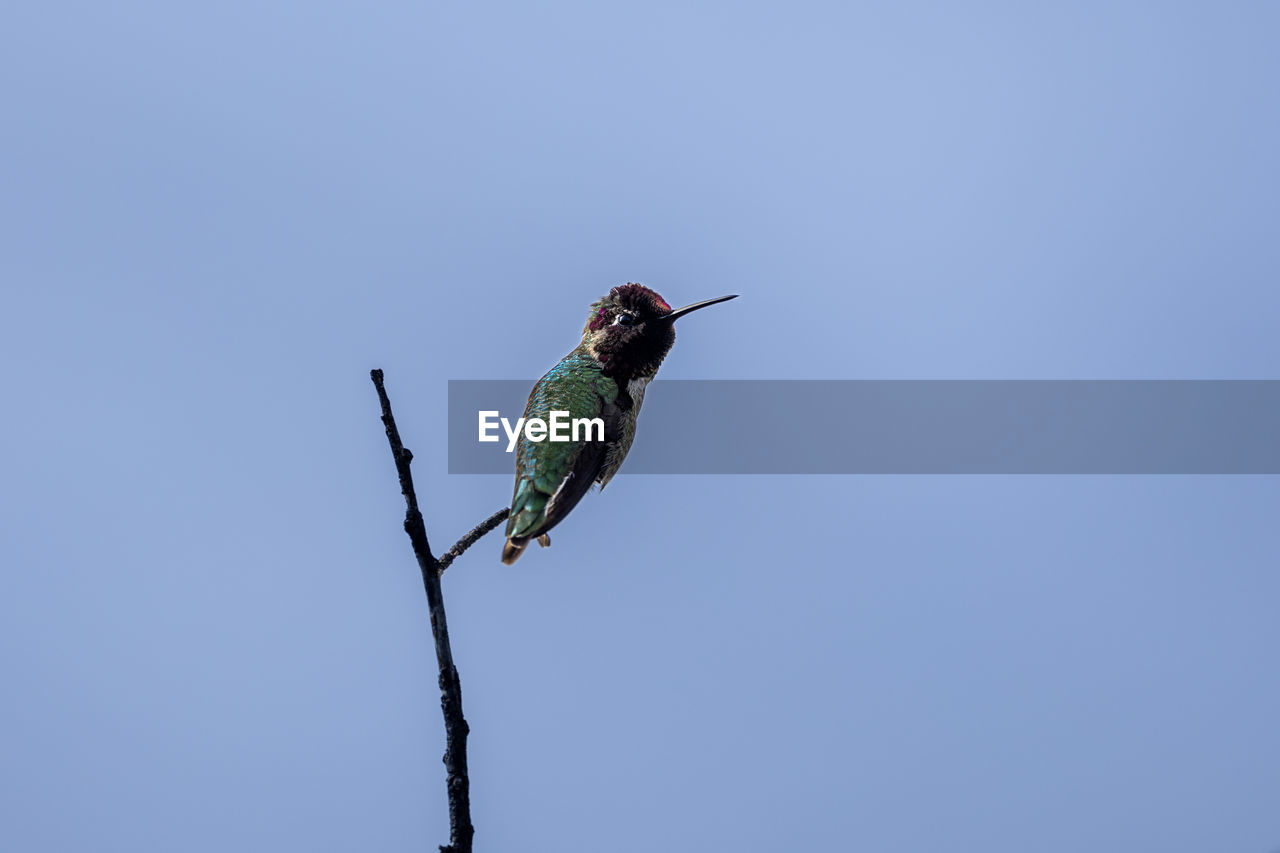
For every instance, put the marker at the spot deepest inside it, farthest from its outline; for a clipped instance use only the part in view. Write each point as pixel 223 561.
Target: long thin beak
pixel 680 312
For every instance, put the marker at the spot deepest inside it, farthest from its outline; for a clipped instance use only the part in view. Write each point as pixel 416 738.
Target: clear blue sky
pixel 215 219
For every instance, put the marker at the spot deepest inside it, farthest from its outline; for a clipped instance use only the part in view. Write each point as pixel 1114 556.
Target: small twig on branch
pixel 471 538
pixel 455 725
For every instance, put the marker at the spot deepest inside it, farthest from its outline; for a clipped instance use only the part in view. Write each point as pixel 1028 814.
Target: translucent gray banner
pixel 722 426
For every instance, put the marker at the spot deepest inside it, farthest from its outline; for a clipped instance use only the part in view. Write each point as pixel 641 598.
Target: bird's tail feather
pixel 512 550
pixel 515 547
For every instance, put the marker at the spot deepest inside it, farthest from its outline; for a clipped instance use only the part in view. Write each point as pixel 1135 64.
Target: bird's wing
pixel 551 477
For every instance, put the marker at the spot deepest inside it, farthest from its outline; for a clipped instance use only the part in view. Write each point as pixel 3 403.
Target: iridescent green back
pixel 575 385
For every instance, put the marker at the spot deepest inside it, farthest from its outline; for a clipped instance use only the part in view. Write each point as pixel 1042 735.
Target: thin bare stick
pixel 455 725
pixel 471 538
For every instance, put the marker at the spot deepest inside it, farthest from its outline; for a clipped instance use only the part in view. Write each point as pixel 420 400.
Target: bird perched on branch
pixel 628 334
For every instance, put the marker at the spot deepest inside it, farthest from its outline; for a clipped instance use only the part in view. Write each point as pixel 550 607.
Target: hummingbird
pixel 628 333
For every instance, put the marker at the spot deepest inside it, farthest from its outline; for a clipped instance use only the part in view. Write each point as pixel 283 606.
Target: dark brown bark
pixel 455 725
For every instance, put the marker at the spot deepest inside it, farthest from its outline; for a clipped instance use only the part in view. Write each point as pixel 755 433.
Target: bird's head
pixel 631 329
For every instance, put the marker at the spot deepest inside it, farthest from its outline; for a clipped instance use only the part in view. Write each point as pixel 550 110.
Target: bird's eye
pixel 624 320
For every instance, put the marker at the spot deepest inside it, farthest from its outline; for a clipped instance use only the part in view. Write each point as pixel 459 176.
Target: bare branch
pixel 455 725
pixel 471 538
